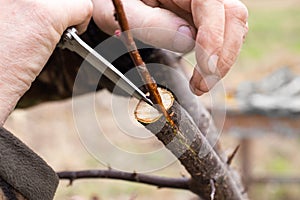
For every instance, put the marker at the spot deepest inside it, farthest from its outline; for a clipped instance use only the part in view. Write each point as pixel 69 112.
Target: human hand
pixel 29 32
pixel 217 26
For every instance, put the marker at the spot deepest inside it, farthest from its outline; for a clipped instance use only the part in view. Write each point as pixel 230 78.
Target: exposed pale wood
pixel 138 61
pixel 149 114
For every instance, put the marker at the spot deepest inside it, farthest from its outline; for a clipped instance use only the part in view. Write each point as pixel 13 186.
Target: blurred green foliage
pixel 273 30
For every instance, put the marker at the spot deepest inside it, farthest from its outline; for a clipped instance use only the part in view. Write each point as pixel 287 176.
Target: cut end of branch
pixel 146 114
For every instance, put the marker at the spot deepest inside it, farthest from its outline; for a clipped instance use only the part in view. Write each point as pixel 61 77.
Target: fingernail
pixel 194 88
pixel 197 92
pixel 212 63
pixel 183 40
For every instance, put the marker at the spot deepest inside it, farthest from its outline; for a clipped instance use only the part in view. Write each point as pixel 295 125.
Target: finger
pixel 181 10
pixel 209 18
pixel 79 13
pixel 183 4
pixel 157 26
pixel 235 31
pixel 200 84
pixel 170 5
pixel 62 14
pixel 152 3
pixel 195 82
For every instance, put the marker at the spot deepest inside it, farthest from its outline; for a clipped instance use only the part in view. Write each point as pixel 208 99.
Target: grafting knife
pixel 70 40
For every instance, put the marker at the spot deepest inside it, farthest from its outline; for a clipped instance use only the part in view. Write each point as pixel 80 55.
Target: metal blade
pixel 73 42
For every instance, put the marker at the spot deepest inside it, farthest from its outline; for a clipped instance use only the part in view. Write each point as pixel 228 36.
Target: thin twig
pixel 138 61
pixel 160 182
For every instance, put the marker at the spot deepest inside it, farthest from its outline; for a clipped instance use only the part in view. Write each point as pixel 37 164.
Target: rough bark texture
pixel 196 154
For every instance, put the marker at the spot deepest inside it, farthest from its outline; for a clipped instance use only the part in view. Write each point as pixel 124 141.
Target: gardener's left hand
pixel 218 27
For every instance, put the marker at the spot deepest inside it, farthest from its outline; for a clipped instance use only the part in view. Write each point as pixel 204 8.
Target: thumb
pixel 153 25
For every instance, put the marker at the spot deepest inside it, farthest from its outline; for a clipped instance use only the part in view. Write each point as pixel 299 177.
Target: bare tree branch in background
pixel 160 182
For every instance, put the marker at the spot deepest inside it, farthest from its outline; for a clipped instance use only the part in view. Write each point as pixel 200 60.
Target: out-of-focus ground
pixel 273 41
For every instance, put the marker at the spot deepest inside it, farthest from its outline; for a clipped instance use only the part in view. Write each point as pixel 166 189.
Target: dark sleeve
pixel 23 171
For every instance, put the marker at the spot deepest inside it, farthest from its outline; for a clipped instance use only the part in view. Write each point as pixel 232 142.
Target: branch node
pixel 70 182
pixel 182 174
pixel 136 177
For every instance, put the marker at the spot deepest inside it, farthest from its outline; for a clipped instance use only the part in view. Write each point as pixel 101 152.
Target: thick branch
pixel 161 182
pixel 185 141
pixel 193 151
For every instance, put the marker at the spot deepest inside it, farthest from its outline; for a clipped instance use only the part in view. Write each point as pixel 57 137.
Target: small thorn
pixel 71 182
pixel 232 155
pixel 135 175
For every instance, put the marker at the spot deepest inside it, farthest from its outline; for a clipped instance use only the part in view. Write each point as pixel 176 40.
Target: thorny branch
pixel 160 182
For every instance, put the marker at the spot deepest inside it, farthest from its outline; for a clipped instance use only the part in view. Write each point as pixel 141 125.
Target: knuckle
pixel 210 36
pixel 228 58
pixel 152 3
pixel 41 13
pixel 226 62
pixel 239 11
pixel 205 2
pixel 89 9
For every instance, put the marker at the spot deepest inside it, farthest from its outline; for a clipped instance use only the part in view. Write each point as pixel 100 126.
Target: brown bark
pixel 160 182
pixel 193 151
pixel 138 61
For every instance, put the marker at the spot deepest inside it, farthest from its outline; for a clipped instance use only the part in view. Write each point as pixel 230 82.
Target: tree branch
pixel 138 61
pixel 160 182
pixel 186 141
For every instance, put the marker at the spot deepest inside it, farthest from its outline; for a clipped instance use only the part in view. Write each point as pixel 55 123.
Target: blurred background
pixel 267 129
